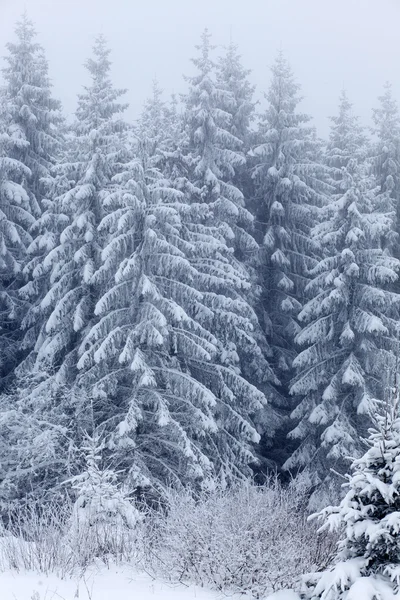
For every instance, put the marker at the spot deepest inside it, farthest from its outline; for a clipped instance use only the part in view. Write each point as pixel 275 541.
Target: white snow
pixel 284 595
pixel 119 583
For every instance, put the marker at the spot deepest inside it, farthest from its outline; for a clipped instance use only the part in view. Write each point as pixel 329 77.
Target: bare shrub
pixel 35 540
pixel 249 539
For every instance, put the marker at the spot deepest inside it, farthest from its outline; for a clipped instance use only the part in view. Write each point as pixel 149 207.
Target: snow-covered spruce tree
pixel 288 187
pixel 216 151
pixel 32 121
pixel 165 360
pixel 82 185
pixel 35 114
pixel 222 234
pixel 386 159
pixel 232 77
pixel 366 565
pixel 349 335
pixel 16 218
pixel 97 148
pixel 347 140
pixel 152 127
pixel 153 411
pixel 103 514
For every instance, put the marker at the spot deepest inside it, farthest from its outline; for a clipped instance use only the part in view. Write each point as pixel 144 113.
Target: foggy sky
pixel 331 44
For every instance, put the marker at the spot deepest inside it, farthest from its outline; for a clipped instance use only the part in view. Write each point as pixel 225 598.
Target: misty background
pixel 330 44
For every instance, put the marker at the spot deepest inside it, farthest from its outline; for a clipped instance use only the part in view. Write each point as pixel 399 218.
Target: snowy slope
pixel 113 584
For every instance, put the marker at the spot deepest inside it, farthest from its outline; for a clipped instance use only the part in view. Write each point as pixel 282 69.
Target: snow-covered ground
pixel 105 584
pixel 121 583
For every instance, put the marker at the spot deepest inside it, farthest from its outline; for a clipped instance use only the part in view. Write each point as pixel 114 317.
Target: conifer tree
pixel 16 219
pixel 224 225
pixel 349 336
pixel 46 392
pixel 232 77
pixel 35 114
pixel 347 140
pixel 386 159
pixel 97 149
pixel 349 323
pixel 167 359
pixel 153 122
pixel 288 186
pixel 31 124
pixel 366 564
pixel 386 152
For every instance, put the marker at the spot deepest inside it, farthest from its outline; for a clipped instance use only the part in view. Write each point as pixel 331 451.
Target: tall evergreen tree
pixel 350 333
pixel 349 324
pixel 97 148
pixel 45 393
pixel 32 120
pixel 35 114
pixel 232 77
pixel 16 218
pixel 165 360
pixel 386 159
pixel 223 234
pixel 289 186
pixel 347 140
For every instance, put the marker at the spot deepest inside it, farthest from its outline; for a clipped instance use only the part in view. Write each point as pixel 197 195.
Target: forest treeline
pixel 209 292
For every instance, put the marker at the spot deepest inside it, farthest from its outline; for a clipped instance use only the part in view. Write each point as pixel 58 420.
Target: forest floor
pixel 117 583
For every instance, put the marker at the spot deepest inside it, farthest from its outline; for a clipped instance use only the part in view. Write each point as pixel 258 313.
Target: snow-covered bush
pixel 250 539
pixel 366 564
pixel 103 517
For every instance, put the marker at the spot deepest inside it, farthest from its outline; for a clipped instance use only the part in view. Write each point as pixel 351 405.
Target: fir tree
pixel 289 185
pixel 349 335
pixel 366 564
pixel 31 125
pixel 232 77
pixel 165 360
pixel 16 219
pixel 223 225
pixel 386 159
pixel 102 509
pixel 97 148
pixel 347 140
pixel 35 114
pixel 71 249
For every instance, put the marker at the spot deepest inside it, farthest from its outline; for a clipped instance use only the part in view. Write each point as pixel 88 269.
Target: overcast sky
pixel 330 44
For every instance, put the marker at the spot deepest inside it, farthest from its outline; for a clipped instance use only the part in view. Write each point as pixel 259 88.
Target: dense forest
pixel 205 295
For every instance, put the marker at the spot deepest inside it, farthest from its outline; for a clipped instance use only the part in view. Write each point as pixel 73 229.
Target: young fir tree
pixel 349 335
pixel 103 512
pixel 288 187
pixel 366 565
